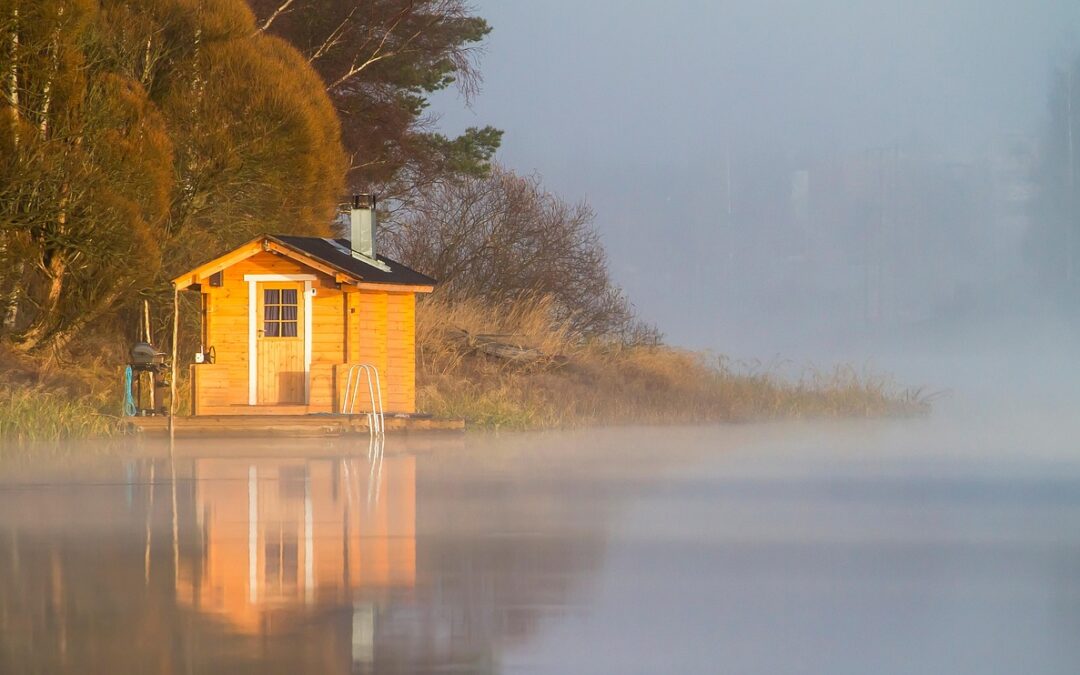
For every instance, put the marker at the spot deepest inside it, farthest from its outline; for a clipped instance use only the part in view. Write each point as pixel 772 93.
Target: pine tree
pixel 380 60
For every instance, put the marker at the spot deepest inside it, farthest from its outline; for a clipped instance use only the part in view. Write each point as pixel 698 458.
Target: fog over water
pixel 887 547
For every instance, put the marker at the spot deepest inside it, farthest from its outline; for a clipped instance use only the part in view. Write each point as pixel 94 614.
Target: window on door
pixel 280 312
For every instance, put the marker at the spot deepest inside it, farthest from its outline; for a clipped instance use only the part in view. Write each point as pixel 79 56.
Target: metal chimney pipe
pixel 363 226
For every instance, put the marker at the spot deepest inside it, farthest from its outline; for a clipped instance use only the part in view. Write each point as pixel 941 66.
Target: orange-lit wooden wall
pixel 349 326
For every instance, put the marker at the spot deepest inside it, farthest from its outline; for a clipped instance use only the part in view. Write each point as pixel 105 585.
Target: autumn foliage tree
pixel 138 137
pixel 84 174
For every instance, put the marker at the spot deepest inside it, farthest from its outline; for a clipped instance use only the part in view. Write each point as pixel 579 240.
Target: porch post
pixel 172 379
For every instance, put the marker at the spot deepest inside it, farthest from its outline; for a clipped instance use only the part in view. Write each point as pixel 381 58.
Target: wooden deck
pixel 286 425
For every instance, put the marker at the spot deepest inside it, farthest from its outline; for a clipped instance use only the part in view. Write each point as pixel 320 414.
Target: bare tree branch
pixel 282 8
pixel 378 55
pixel 504 236
pixel 334 39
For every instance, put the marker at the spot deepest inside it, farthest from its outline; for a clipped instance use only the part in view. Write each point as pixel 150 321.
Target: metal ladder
pixel 376 418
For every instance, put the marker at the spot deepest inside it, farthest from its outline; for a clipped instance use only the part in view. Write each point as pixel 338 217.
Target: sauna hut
pixel 284 319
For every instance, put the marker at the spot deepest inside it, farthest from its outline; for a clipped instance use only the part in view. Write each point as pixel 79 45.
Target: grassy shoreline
pixel 568 382
pixel 577 383
pixel 35 414
pixel 48 399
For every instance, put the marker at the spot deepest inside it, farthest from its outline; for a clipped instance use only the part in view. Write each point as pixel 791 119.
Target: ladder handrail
pixel 352 388
pixel 376 418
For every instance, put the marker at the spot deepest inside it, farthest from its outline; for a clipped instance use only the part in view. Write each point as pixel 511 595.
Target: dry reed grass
pixel 587 382
pixel 53 399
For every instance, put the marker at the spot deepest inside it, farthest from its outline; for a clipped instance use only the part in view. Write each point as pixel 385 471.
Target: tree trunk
pixel 48 315
pixel 54 264
pixel 11 304
pixel 60 336
pixel 13 82
pixel 46 89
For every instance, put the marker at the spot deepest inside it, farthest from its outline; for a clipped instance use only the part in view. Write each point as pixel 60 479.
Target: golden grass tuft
pixel 33 414
pixel 582 382
pixel 48 399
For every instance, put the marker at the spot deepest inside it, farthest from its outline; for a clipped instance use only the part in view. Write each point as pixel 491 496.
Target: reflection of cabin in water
pixel 287 317
pixel 301 533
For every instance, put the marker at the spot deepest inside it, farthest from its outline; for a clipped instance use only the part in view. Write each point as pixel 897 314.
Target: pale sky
pixel 634 104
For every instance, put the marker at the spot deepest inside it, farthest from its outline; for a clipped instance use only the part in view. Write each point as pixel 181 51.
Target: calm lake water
pixel 904 547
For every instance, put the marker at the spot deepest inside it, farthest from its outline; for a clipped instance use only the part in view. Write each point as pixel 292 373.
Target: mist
pixel 803 182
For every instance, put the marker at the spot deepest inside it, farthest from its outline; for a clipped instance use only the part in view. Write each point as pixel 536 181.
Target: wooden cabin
pixel 285 318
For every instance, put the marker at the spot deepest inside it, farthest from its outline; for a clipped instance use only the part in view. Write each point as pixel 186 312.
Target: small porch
pixel 284 423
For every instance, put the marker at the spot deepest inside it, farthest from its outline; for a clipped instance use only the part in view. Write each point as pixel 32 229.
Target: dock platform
pixel 285 425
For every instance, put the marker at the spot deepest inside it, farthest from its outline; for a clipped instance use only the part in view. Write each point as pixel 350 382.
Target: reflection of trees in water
pixel 85 585
pixel 74 594
pixel 502 552
pixel 484 594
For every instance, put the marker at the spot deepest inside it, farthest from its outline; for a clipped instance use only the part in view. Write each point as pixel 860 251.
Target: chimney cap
pixel 363 200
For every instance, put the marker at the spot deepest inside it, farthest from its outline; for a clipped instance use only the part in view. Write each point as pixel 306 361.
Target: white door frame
pixel 253 322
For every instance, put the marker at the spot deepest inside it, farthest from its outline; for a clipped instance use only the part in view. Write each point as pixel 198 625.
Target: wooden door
pixel 279 340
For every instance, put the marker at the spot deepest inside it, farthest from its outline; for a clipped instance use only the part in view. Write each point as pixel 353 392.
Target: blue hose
pixel 129 401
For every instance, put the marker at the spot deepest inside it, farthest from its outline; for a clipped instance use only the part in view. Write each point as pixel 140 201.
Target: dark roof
pixel 337 257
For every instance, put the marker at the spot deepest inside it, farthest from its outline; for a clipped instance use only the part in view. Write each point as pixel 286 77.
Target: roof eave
pixel 200 272
pixel 360 281
pixel 248 249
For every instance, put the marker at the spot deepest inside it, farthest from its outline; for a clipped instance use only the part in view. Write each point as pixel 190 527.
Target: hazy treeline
pixel 905 234
pixel 1054 242
pixel 139 138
